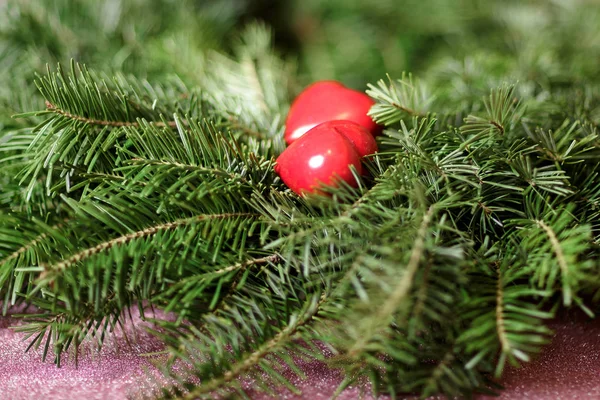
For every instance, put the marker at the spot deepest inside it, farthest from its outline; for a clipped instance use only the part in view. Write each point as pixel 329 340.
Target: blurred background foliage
pixel 355 41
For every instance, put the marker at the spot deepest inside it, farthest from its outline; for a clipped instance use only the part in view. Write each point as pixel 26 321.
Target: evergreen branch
pixel 62 265
pixel 503 110
pixel 187 167
pixel 28 240
pixel 500 325
pixel 252 359
pixel 388 308
pixel 88 97
pixel 235 124
pixel 32 243
pixel 251 90
pixel 250 70
pixel 430 386
pixel 397 100
pixel 560 258
pixel 570 143
pixel 505 321
pixel 178 294
pixel 391 304
pixel 421 295
pixel 407 110
pixel 243 265
pixel 65 328
pixel 556 244
pixel 549 178
pixel 117 124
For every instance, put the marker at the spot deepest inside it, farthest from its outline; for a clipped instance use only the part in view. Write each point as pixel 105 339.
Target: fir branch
pixel 187 167
pixel 560 258
pixel 250 70
pixel 250 360
pixel 421 295
pixel 32 243
pixel 88 97
pixel 178 295
pixel 82 255
pixel 407 97
pixel 500 325
pixel 63 328
pixel 240 267
pixel 117 124
pixel 555 243
pixel 504 317
pixel 570 143
pixel 442 368
pixel 235 124
pixel 401 290
pixel 251 90
pixel 503 111
pixel 243 265
pixel 389 307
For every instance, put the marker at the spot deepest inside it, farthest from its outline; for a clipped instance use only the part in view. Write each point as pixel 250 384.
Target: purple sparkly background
pixel 569 368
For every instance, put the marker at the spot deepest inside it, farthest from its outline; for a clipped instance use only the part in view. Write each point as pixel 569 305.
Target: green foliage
pixel 398 100
pixel 146 180
pixel 506 318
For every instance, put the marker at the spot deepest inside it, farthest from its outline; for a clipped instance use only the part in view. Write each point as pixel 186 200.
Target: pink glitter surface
pixel 569 368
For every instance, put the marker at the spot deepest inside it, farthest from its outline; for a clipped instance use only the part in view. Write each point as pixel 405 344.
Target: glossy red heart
pixel 327 101
pixel 318 158
pixel 364 143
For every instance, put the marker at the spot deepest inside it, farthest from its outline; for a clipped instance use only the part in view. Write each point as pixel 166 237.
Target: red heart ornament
pixel 321 157
pixel 364 143
pixel 327 101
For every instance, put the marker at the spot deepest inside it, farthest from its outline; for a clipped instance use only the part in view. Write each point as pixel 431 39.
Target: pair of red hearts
pixel 328 131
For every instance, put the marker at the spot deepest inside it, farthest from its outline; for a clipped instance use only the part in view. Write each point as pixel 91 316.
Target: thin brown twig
pixel 407 110
pixel 498 126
